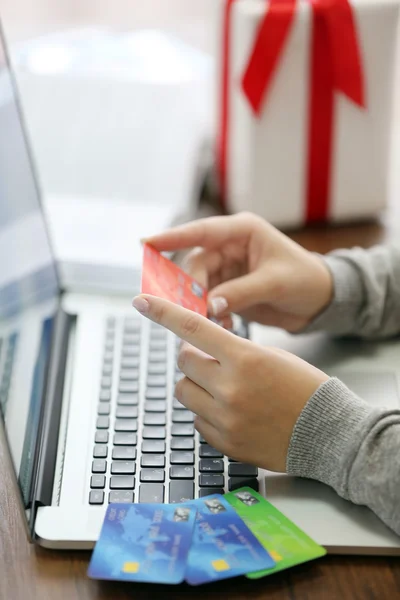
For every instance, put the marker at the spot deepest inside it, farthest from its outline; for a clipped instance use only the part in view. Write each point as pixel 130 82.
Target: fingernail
pixel 141 305
pixel 218 305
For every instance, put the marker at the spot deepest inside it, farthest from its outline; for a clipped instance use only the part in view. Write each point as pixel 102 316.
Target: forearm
pixel 366 298
pixel 352 447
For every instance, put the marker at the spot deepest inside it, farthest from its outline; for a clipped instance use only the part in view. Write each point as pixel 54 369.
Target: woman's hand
pixel 247 398
pixel 252 269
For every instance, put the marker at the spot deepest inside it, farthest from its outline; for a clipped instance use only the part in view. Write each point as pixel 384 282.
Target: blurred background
pixel 191 21
pixel 119 96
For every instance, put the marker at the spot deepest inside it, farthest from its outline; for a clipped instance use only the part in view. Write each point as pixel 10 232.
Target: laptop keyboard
pixel 146 448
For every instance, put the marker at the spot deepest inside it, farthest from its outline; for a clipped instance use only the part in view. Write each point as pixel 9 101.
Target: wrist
pixel 325 288
pixel 339 314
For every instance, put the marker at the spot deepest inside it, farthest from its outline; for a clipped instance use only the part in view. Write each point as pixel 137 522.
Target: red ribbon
pixel 335 66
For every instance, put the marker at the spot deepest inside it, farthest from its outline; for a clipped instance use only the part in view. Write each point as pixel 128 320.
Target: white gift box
pixel 288 153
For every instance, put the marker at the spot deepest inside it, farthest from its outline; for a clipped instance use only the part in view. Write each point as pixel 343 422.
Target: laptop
pixel 86 384
pixel 86 391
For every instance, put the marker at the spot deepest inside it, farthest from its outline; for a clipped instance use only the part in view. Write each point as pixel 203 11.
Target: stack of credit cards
pixel 204 540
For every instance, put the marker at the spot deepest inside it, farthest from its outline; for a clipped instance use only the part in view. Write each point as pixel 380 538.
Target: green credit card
pixel 285 542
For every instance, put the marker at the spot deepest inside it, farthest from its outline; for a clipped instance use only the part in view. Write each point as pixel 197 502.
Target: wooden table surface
pixel 27 572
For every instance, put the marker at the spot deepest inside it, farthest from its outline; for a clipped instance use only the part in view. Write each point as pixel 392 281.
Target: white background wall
pixel 192 19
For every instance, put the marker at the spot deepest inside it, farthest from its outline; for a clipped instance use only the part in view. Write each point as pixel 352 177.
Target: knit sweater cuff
pixel 325 434
pixel 339 317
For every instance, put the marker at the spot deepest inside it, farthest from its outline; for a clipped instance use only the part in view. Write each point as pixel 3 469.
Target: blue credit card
pixel 144 542
pixel 222 545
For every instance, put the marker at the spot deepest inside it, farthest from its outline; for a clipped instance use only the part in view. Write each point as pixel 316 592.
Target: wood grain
pixel 30 573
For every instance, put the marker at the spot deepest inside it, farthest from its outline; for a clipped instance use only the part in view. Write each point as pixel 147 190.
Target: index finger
pixel 209 233
pixel 188 325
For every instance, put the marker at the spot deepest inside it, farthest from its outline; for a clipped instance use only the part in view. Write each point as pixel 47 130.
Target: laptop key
pixel 131 339
pixel 128 387
pixel 130 351
pixel 122 482
pixel 151 493
pixel 156 329
pixel 176 405
pixel 182 429
pixel 127 412
pixel 125 425
pixel 121 497
pixel 155 419
pixel 182 416
pixel 156 393
pixel 211 480
pixel 208 491
pixel 156 368
pixel 109 345
pixel 182 443
pixel 107 369
pixel 100 451
pixel 235 483
pixel 96 497
pixel 124 453
pixel 128 400
pixel 206 451
pixel 99 466
pixel 101 436
pixel 154 433
pixel 182 458
pixel 103 408
pixel 123 467
pixel 153 460
pixel 181 472
pixel 157 345
pixel 155 406
pixel 153 447
pixel 102 423
pixel 129 374
pixel 110 322
pixel 242 470
pixel 108 356
pixel 181 491
pixel 98 481
pixel 157 356
pixel 211 465
pixel 125 439
pixel 156 380
pixel 131 362
pixel 131 325
pixel 105 395
pixel 202 440
pixel 106 382
pixel 152 475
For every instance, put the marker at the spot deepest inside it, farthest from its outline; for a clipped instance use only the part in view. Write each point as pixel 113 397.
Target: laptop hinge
pixel 46 451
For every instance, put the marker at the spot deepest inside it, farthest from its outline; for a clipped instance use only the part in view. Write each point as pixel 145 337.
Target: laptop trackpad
pixel 378 389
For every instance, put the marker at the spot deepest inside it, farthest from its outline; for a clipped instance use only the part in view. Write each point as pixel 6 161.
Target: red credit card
pixel 163 278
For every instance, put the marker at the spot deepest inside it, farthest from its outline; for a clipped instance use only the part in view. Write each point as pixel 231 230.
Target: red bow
pixel 335 66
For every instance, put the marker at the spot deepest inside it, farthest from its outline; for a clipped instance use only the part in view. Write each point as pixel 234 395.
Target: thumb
pixel 238 294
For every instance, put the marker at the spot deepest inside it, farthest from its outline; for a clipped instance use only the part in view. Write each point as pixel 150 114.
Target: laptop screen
pixel 28 286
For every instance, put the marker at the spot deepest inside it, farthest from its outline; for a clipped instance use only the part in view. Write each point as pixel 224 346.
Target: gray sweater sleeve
pixel 339 439
pixel 366 298
pixel 352 447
